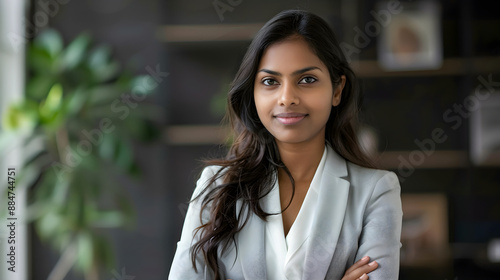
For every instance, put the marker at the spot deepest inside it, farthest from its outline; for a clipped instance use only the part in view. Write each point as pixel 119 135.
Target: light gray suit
pixel 359 214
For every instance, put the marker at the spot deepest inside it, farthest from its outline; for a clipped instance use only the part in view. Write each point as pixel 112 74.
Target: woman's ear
pixel 337 92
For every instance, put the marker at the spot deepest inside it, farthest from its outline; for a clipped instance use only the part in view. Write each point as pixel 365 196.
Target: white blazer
pixel 358 214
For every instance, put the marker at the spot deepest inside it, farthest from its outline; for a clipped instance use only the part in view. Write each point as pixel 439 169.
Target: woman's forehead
pixel 290 55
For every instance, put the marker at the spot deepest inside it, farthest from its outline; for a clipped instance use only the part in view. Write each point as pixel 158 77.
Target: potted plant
pixel 76 125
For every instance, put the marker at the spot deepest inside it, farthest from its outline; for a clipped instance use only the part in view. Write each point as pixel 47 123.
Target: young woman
pixel 295 198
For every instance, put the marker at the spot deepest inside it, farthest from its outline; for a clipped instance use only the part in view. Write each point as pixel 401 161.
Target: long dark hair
pixel 249 167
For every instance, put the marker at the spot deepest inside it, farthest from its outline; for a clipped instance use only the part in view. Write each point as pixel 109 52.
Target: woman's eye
pixel 307 80
pixel 269 82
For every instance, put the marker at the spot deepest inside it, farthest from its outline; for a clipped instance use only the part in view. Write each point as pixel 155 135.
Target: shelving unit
pixel 208 32
pixel 196 35
pixel 213 134
pixel 400 106
pixel 245 32
pixel 188 135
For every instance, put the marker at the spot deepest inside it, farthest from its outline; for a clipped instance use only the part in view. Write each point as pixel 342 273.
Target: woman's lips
pixel 290 118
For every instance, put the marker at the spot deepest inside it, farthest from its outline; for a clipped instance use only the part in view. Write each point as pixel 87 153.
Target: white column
pixel 12 81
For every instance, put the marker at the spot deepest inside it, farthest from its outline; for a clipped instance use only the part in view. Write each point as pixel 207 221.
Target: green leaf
pixel 143 85
pixel 76 206
pixel 50 108
pixel 20 117
pixel 45 189
pixel 49 224
pixel 85 249
pixel 99 57
pixel 124 156
pixel 133 126
pixel 53 101
pixel 106 72
pixel 103 68
pixel 104 252
pixel 38 86
pixel 51 41
pixel 107 147
pixel 75 101
pixel 108 219
pixel 60 191
pixel 74 54
pixel 39 60
pixel 105 94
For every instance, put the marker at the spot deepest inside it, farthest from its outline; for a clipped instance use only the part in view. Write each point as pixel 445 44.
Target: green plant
pixel 76 131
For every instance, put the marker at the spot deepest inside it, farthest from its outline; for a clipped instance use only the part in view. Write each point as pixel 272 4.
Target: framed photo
pixel 411 40
pixel 484 126
pixel 425 230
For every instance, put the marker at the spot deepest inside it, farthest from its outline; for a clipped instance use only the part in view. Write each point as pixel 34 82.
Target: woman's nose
pixel 288 95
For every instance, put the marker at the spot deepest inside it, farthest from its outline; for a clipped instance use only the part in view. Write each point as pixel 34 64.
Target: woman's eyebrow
pixel 295 73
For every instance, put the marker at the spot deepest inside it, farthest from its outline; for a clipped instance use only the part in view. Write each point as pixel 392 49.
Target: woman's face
pixel 293 92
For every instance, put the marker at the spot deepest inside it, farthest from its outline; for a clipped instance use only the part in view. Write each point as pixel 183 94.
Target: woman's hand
pixel 360 270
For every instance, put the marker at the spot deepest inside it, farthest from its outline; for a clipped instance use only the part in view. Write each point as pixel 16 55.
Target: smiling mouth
pixel 290 118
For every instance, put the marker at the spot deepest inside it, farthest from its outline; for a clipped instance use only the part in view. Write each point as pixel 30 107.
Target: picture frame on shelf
pixel 411 39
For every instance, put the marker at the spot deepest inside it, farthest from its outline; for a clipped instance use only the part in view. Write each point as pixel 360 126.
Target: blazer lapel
pixel 314 257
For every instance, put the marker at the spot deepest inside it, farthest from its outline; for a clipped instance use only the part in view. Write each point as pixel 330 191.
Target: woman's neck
pixel 301 159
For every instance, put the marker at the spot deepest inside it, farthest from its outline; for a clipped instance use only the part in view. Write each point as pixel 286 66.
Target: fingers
pixel 363 277
pixel 365 269
pixel 360 270
pixel 363 261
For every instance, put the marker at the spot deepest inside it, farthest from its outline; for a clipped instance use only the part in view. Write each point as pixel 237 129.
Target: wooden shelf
pixel 208 33
pixel 438 159
pixel 368 69
pixel 450 67
pixel 189 135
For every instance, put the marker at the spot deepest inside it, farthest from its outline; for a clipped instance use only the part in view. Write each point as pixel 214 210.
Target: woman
pixel 295 198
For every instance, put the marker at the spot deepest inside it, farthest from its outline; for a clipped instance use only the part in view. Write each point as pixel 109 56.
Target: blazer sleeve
pixel 182 267
pixel 381 235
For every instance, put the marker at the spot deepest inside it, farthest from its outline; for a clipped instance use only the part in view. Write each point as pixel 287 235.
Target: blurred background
pixel 109 107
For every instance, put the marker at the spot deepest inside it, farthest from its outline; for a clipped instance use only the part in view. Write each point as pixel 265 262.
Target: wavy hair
pixel 253 158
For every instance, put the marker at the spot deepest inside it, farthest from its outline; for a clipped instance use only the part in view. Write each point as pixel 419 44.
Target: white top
pixel 275 243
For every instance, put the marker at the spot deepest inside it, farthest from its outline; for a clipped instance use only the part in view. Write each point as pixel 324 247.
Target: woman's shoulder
pixel 358 174
pixel 371 176
pixel 211 176
pixel 211 171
